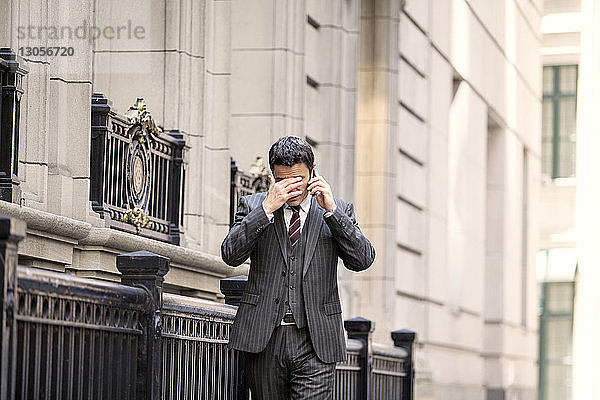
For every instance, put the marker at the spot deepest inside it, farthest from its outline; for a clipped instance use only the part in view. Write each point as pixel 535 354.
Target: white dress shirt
pixel 287 212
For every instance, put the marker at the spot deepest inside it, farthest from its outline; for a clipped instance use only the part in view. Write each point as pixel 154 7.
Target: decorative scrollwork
pixel 139 114
pixel 137 217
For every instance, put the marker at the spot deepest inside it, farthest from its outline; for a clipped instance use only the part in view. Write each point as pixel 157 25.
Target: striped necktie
pixel 294 230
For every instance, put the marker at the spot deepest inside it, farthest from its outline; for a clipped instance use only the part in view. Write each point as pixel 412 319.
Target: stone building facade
pixel 424 113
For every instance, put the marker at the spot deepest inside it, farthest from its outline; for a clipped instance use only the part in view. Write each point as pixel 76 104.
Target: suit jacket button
pixel 282 273
pixel 276 301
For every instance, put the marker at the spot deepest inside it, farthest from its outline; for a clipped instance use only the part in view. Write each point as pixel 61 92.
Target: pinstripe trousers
pixel 288 368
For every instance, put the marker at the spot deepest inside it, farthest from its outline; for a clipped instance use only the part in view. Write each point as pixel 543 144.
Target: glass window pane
pixel 547 134
pixel 568 79
pixel 558 298
pixel 548 80
pixel 566 136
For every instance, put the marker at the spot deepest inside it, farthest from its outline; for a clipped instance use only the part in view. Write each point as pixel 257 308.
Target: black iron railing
pixel 371 372
pixel 245 183
pixel 12 71
pixel 138 172
pixel 66 337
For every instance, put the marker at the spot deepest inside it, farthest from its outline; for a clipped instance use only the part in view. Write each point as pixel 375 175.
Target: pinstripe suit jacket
pixel 252 235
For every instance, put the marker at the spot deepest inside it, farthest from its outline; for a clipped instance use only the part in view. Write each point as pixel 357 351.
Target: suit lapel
pixel 282 234
pixel 313 224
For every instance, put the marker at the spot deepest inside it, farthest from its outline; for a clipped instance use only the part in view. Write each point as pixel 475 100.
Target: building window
pixel 558 121
pixel 556 277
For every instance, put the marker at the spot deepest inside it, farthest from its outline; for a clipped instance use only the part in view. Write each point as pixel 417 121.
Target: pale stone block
pixel 528 61
pixel 440 86
pixel 330 55
pixel 184 26
pixel 497 17
pixel 412 181
pixel 410 273
pixel 251 82
pixel 412 135
pixel 216 187
pixel 194 176
pixel 375 98
pixel 495 288
pixel 124 77
pixel 144 23
pixel 250 137
pixel 466 260
pixel 413 90
pixel 409 314
pixel 443 363
pixel 34 115
pixel 219 53
pixel 348 120
pixel 213 237
pixel 350 15
pixel 413 44
pixel 440 30
pixel 349 64
pixel 410 226
pixel 81 203
pixel 61 201
pixel 373 140
pixel 419 11
pixel 194 231
pixel 217 105
pixel 438 176
pixel 437 269
pixel 40 246
pixel 313 53
pixel 447 327
pixel 370 202
pixel 252 25
pixel 69 133
pixel 467 136
pixel 34 179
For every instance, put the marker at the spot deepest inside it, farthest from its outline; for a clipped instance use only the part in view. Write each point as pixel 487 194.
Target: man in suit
pixel 289 320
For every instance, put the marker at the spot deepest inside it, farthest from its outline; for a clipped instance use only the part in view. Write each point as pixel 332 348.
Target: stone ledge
pixel 85 236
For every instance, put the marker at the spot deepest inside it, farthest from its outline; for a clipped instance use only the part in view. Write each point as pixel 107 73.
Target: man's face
pixel 281 172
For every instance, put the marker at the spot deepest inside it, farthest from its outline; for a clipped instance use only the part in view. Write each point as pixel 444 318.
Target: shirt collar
pixel 305 205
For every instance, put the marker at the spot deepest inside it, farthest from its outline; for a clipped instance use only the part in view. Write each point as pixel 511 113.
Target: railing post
pixel 147 270
pixel 232 190
pixel 12 70
pixel 361 329
pixel 100 114
pixel 12 231
pixel 233 288
pixel 175 189
pixel 405 339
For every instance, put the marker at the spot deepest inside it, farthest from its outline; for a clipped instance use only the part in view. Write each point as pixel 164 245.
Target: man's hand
pixel 280 192
pixel 321 188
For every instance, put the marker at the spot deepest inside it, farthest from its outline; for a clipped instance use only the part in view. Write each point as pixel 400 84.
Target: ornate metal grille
pixel 138 172
pixel 242 183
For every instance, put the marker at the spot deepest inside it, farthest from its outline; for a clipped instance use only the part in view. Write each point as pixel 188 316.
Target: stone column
pixel 586 347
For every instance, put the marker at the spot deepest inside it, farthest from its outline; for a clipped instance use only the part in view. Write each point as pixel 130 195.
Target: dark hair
pixel 291 150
